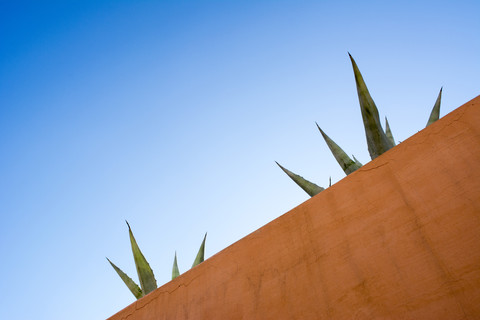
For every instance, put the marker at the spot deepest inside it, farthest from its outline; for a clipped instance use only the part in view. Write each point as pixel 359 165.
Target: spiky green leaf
pixel 347 164
pixel 134 288
pixel 145 273
pixel 175 271
pixel 356 161
pixel 389 133
pixel 201 253
pixel 435 114
pixel 377 140
pixel 309 187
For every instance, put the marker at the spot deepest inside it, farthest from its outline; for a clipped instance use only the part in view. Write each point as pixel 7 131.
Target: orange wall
pixel 397 239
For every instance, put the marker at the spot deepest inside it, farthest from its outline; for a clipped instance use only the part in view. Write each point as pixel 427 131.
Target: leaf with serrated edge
pixel 145 273
pixel 377 141
pixel 307 186
pixel 347 164
pixel 435 114
pixel 201 253
pixel 175 271
pixel 388 132
pixel 134 288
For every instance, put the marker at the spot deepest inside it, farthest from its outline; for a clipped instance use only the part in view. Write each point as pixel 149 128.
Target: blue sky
pixel 170 114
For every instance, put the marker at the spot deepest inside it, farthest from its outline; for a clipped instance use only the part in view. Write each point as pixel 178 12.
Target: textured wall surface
pixel 397 239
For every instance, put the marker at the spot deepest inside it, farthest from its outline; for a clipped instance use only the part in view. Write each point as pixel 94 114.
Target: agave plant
pixel 378 140
pixel 145 273
pixel 198 259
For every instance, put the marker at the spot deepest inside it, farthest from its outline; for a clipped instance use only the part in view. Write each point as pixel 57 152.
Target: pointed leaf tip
pixel 388 132
pixel 131 285
pixel 435 113
pixel 145 273
pixel 377 140
pixel 347 164
pixel 175 270
pixel 309 187
pixel 201 253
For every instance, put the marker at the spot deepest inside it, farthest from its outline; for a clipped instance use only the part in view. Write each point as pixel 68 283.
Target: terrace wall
pixel 397 239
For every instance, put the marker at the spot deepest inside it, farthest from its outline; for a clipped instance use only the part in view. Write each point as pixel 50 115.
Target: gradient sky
pixel 170 114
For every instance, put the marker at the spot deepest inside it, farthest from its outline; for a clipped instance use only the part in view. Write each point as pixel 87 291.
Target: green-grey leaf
pixel 435 114
pixel 175 271
pixel 309 187
pixel 134 288
pixel 388 132
pixel 347 164
pixel 145 273
pixel 201 253
pixel 377 141
pixel 356 161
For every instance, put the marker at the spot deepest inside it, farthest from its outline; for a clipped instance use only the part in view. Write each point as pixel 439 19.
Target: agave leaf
pixel 201 253
pixel 356 161
pixel 175 271
pixel 145 273
pixel 388 132
pixel 377 140
pixel 134 288
pixel 347 164
pixel 309 187
pixel 435 114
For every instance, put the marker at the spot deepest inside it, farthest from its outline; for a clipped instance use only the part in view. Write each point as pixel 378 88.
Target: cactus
pixel 378 141
pixel 145 273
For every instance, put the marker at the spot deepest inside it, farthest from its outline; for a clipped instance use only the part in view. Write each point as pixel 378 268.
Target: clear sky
pixel 170 114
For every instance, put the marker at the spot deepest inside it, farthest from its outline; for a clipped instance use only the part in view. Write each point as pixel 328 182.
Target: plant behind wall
pixel 147 280
pixel 378 140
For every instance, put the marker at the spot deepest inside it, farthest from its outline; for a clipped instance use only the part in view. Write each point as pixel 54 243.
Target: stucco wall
pixel 397 239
